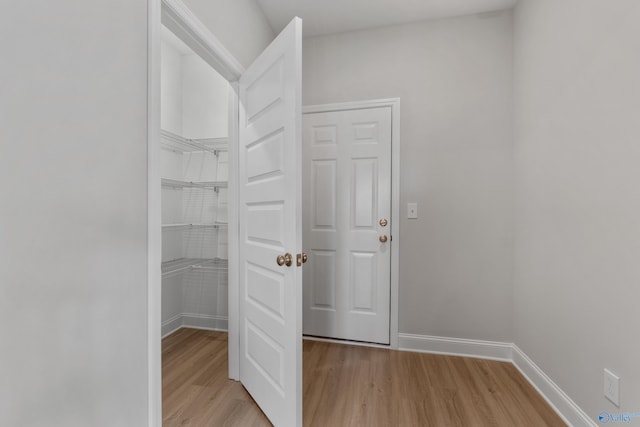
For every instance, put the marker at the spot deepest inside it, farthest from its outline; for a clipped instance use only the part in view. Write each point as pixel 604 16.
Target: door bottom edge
pixel 346 341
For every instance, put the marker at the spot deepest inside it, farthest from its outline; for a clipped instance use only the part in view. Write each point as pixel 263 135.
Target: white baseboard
pixel 201 321
pixel 171 325
pixel 561 403
pixel 455 347
pixel 194 321
pixel 568 410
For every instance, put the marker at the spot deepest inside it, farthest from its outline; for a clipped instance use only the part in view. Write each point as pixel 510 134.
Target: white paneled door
pixel 347 224
pixel 270 229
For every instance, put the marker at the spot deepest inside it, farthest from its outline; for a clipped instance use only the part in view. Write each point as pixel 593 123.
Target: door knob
pixel 301 259
pixel 383 238
pixel 286 259
pixel 383 222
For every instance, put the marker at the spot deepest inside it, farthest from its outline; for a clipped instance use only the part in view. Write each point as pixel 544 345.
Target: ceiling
pixel 336 16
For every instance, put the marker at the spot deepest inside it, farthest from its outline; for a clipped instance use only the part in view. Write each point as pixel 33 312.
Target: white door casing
pixel 346 195
pixel 270 311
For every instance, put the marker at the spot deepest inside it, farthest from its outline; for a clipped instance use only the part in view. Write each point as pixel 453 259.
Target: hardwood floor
pixel 348 385
pixel 195 388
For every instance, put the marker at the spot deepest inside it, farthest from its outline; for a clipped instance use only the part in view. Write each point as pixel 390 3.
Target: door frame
pixel 394 104
pixel 176 16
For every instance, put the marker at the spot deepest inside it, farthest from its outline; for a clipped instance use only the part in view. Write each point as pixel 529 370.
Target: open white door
pixel 271 228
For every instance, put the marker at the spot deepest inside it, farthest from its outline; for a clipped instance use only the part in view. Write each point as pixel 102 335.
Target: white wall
pixel 205 100
pixel 171 79
pixel 239 24
pixel 194 97
pixel 577 275
pixel 73 217
pixel 454 78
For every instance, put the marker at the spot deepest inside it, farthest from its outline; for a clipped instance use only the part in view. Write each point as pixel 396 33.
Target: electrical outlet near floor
pixel 612 387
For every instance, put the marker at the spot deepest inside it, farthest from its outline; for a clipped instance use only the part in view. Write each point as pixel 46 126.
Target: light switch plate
pixel 612 387
pixel 412 210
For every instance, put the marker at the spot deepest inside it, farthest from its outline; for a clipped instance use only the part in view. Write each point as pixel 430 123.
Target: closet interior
pixel 194 170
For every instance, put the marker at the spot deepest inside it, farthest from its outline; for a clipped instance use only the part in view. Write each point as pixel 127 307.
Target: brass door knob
pixel 383 222
pixel 301 259
pixel 286 259
pixel 383 238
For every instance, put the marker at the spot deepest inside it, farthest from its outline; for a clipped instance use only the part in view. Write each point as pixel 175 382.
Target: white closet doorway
pixel 225 217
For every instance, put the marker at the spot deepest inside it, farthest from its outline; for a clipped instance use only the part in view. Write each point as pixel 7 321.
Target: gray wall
pixel 577 272
pixel 73 217
pixel 454 78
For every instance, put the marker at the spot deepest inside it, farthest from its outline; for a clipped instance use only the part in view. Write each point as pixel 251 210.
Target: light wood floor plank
pixel 346 385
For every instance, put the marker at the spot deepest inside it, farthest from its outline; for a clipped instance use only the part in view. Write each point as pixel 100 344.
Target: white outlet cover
pixel 612 387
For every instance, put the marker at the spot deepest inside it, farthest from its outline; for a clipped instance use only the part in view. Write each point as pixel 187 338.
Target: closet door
pixel 271 229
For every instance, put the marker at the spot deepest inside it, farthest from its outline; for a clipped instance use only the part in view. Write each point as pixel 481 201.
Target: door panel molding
pixel 328 137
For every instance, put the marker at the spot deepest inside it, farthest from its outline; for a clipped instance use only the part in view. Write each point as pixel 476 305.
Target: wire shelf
pixel 217 144
pixel 184 264
pixel 216 225
pixel 177 143
pixel 176 184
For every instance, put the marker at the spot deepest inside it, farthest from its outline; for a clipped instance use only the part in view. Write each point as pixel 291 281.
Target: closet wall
pixel 194 169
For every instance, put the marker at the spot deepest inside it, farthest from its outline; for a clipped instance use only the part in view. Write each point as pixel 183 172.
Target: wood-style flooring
pixel 347 385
